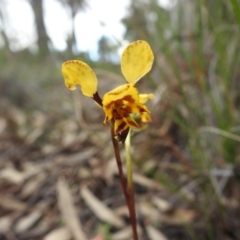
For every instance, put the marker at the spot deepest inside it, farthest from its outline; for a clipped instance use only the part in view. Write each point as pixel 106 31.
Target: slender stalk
pixel 119 164
pixel 128 191
pixel 130 187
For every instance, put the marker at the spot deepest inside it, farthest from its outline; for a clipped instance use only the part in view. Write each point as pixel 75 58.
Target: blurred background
pixel 58 176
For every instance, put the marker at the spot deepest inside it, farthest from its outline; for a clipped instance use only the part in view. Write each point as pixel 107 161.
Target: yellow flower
pixel 122 102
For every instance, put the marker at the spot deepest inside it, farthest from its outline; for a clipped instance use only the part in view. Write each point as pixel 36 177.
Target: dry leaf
pixel 28 221
pixel 124 234
pixel 146 182
pixel 3 125
pixel 179 216
pixel 100 210
pixel 33 184
pixel 5 224
pixel 76 158
pixel 161 204
pixel 13 176
pixel 58 234
pixel 155 234
pixel 17 115
pixel 34 135
pixel 146 209
pixel 10 203
pixel 122 211
pixel 68 211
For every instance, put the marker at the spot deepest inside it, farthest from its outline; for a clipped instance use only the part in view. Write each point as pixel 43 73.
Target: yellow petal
pixel 125 92
pixel 145 117
pixel 139 108
pixel 119 126
pixel 136 61
pixel 79 73
pixel 143 98
pixel 131 123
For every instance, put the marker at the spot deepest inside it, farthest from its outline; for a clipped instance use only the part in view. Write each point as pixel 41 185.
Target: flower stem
pixel 119 164
pixel 130 187
pixel 127 189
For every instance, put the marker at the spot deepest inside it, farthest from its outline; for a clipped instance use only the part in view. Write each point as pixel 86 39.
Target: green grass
pixel 197 60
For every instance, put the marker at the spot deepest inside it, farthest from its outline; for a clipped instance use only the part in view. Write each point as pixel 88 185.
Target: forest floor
pixel 59 180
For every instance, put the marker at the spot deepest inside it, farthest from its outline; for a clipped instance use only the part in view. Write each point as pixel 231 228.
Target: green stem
pixel 130 187
pixel 128 158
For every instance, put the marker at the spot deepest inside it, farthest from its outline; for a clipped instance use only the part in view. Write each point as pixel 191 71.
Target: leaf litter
pixel 58 179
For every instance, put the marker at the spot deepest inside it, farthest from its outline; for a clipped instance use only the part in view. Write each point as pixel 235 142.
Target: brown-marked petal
pixel 145 117
pixel 131 123
pixel 119 126
pixel 125 93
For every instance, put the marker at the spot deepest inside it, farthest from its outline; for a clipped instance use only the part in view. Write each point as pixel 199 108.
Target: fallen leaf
pixel 3 125
pixel 146 182
pixel 28 221
pixel 146 209
pixel 10 203
pixel 77 158
pixel 11 175
pixel 179 216
pixel 161 204
pixel 155 234
pixel 68 211
pixel 31 186
pixel 34 135
pixel 58 234
pixel 124 234
pixel 100 210
pixel 5 224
